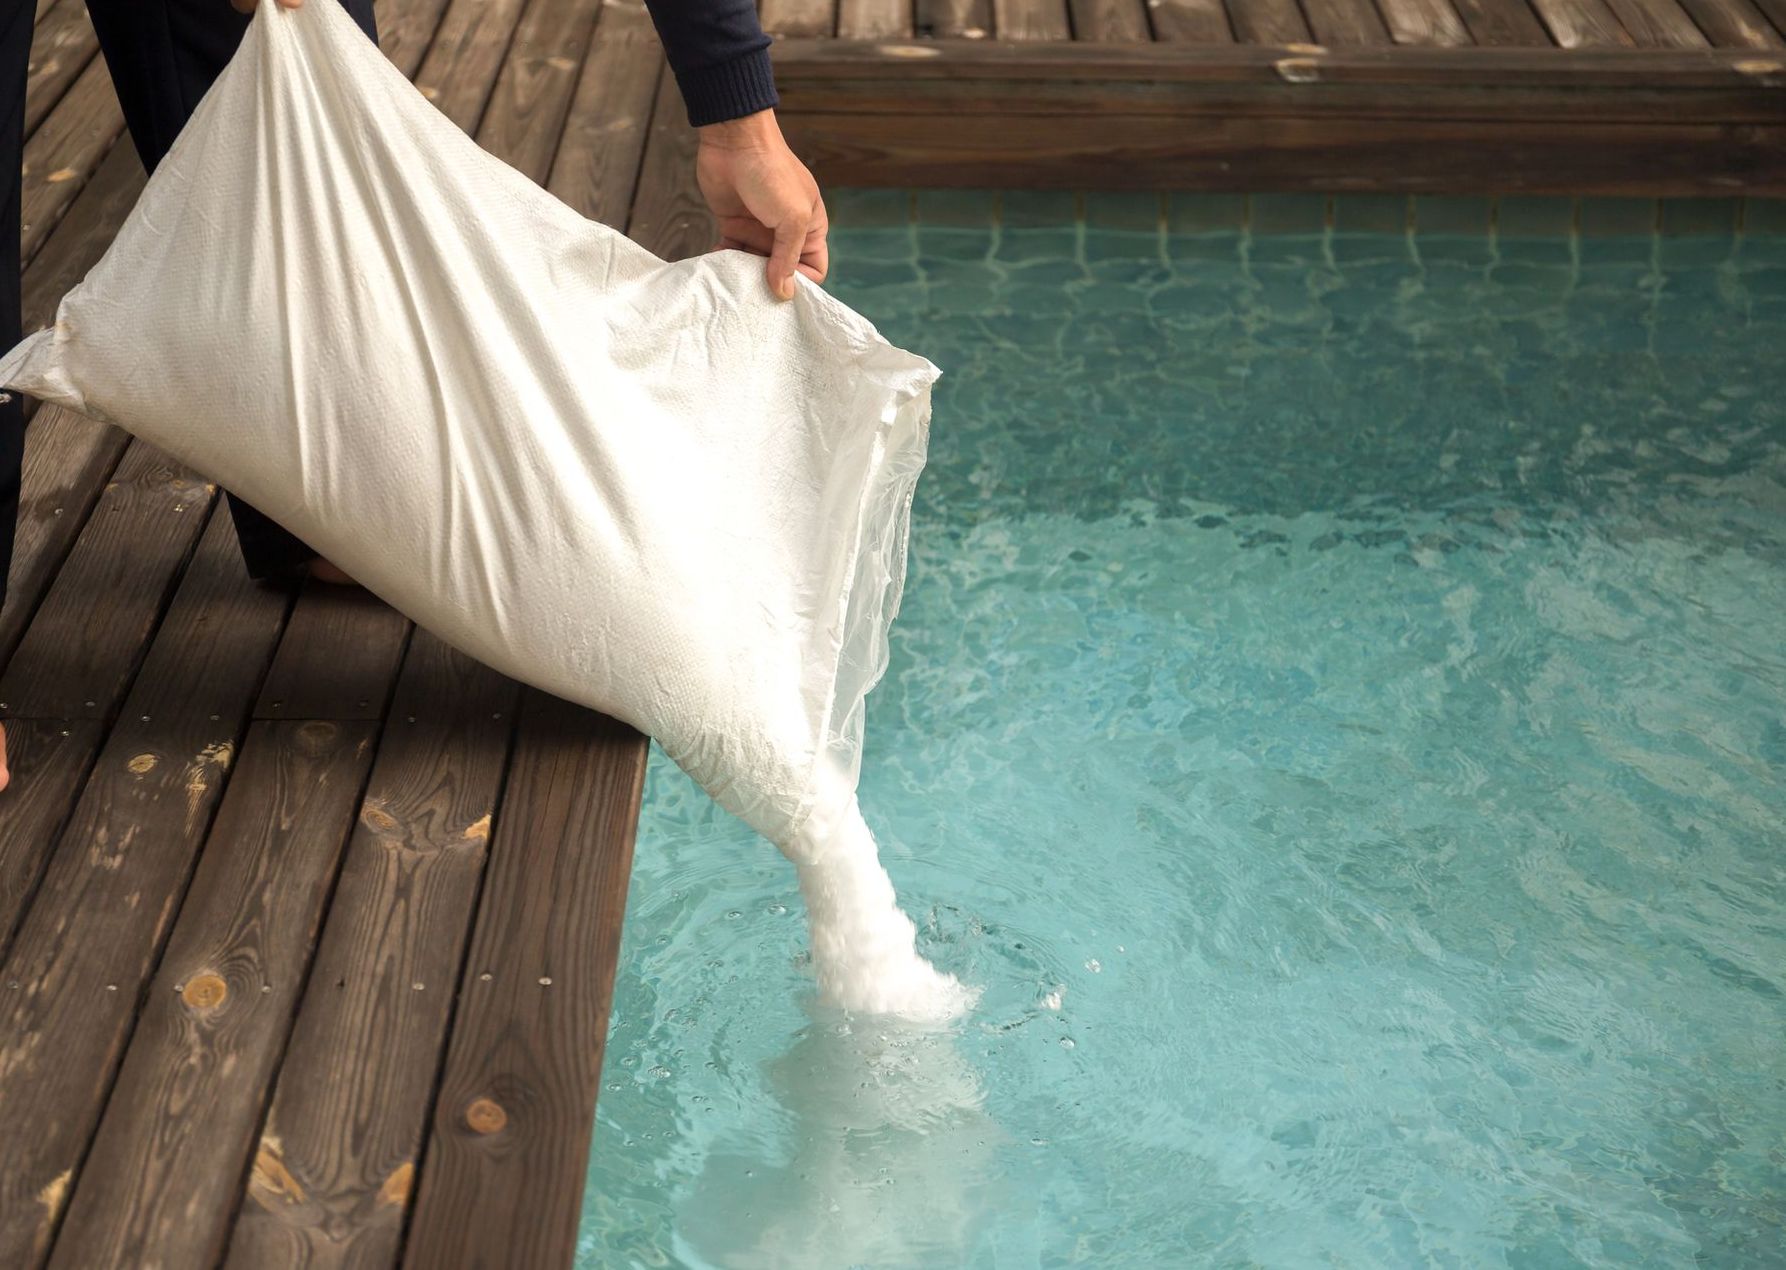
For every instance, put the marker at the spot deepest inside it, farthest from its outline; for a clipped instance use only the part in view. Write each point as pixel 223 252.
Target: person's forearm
pixel 719 54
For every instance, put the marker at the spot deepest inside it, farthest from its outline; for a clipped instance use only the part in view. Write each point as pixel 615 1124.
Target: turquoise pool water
pixel 1339 719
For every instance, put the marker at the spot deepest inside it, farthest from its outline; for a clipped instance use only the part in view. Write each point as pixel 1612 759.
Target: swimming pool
pixel 1338 718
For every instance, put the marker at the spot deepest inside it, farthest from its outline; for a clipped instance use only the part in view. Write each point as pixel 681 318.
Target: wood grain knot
pixel 318 734
pixel 377 819
pixel 484 1115
pixel 395 1190
pixel 204 992
pixel 143 764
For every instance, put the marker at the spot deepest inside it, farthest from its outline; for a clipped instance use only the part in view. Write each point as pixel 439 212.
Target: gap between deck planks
pixel 563 750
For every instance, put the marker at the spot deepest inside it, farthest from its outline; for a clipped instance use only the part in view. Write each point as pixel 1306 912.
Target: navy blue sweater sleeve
pixel 719 54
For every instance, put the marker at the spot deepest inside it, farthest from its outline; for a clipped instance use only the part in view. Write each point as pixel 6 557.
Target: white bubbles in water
pixel 1066 1042
pixel 1052 1000
pixel 1094 966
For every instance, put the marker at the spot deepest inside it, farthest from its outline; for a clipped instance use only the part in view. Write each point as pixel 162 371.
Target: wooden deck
pixel 307 923
pixel 1606 97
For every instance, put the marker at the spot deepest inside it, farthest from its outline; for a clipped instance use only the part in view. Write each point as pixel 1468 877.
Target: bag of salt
pixel 649 488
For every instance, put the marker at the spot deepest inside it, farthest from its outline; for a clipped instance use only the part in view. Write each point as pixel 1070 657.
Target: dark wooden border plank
pixel 1045 76
pixel 512 1127
pixel 1279 153
pixel 1190 21
pixel 1776 13
pixel 336 1160
pixel 874 19
pixel 62 46
pixel 159 1184
pixel 94 931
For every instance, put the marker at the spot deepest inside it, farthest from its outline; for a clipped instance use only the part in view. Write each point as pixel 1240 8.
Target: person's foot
pixel 323 571
pixel 5 776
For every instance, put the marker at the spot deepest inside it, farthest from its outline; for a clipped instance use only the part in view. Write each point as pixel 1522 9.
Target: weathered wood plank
pixel 875 19
pixel 1038 77
pixel 963 19
pixel 1734 24
pixel 93 933
pixel 798 17
pixel 125 565
pixel 312 679
pixel 67 460
pixel 1317 152
pixel 512 1126
pixel 63 154
pixel 48 759
pixel 1346 23
pixel 62 46
pixel 669 215
pixel 158 1186
pixel 1503 23
pixel 1776 13
pixel 1269 22
pixel 1581 24
pixel 1030 20
pixel 1658 24
pixel 1432 22
pixel 82 236
pixel 597 167
pixel 331 1182
pixel 525 115
pixel 465 56
pixel 1109 21
pixel 1190 21
pixel 405 30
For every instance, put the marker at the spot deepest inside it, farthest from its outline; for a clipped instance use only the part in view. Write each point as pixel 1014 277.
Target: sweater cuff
pixel 729 90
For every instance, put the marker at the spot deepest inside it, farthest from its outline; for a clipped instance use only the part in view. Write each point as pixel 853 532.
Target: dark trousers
pixel 163 55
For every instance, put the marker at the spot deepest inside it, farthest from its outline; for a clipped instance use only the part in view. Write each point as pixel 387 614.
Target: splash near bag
pixel 649 488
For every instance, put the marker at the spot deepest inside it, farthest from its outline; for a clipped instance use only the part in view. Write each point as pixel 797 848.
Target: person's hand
pixel 249 6
pixel 764 198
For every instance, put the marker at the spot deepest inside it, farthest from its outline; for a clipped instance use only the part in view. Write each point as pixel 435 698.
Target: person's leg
pixel 16 17
pixel 15 54
pixel 163 56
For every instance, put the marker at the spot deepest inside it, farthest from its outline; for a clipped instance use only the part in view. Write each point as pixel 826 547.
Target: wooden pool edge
pixel 1287 118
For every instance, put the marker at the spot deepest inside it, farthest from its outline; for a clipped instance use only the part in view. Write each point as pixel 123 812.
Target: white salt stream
pixel 864 948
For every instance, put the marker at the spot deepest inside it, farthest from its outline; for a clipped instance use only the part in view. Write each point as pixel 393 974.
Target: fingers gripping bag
pixel 647 487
